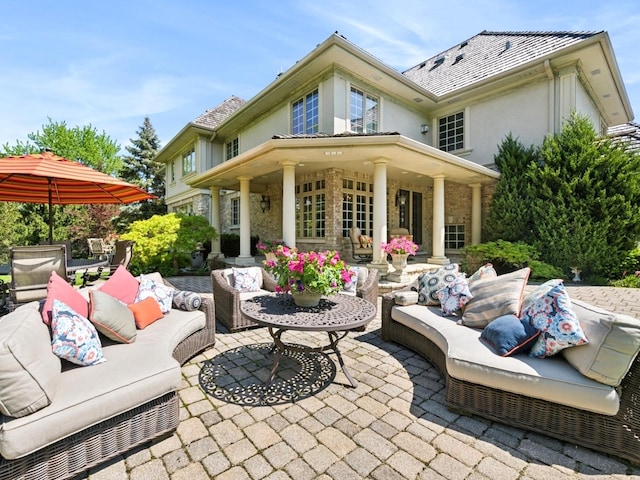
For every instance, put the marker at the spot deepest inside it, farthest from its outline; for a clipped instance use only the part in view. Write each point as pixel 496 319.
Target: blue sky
pixel 111 63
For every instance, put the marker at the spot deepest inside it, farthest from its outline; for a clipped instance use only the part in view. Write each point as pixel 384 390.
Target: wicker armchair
pixel 227 299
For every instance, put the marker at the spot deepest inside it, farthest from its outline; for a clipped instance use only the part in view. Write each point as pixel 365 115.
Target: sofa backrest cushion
pixel 111 317
pixel 29 371
pixel 614 343
pixel 495 297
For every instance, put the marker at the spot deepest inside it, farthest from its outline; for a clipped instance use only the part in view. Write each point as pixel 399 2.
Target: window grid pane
pixel 320 218
pixel 451 132
pixel 357 207
pixel 298 117
pixel 235 211
pixel 356 111
pixel 454 237
pixel 347 213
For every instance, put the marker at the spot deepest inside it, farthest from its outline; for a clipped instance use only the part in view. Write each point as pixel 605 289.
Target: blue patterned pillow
pixel 247 279
pixel 455 295
pixel 551 312
pixel 158 291
pixel 187 301
pixel 74 338
pixel 430 282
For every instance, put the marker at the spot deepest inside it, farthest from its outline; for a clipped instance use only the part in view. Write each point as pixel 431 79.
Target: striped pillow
pixel 495 297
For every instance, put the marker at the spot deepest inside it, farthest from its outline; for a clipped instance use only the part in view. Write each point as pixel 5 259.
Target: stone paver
pixel 394 425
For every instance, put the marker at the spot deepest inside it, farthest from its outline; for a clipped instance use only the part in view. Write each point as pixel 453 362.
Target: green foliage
pixel 509 218
pixel 507 257
pixel 164 243
pixel 576 199
pixel 141 169
pixel 629 281
pixel 586 203
pixel 230 244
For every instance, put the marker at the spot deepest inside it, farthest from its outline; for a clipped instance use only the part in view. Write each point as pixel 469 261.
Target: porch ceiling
pixel 408 161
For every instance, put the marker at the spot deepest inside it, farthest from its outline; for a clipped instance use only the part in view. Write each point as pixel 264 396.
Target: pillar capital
pixel 288 163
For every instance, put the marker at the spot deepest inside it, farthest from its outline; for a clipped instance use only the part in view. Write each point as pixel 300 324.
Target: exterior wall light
pixel 265 203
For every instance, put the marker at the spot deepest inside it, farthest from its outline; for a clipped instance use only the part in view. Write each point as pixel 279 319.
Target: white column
pixel 245 222
pixel 289 203
pixel 215 222
pixel 438 256
pixel 379 209
pixel 476 213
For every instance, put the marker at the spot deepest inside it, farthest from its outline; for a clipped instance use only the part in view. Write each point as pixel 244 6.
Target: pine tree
pixel 140 168
pixel 509 217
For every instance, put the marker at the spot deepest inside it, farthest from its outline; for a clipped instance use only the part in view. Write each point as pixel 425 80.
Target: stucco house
pixel 341 139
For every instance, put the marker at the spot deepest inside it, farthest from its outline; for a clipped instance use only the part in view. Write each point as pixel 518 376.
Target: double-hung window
pixel 363 112
pixel 305 114
pixel 189 162
pixel 231 149
pixel 357 206
pixel 451 132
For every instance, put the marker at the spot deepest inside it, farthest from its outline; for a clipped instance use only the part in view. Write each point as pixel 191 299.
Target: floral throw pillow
pixel 158 291
pixel 484 272
pixel 551 312
pixel 430 282
pixel 247 279
pixel 74 338
pixel 455 295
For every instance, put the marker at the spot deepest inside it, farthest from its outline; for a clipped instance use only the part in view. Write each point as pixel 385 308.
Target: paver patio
pixel 394 425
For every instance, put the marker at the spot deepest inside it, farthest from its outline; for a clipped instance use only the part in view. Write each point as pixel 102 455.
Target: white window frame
pixel 235 211
pixel 189 162
pixel 450 120
pixel 231 149
pixel 311 209
pixel 366 95
pixel 455 236
pixel 357 206
pixel 310 110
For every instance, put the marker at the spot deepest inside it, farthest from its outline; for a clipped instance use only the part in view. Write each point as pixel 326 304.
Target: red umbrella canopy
pixel 48 178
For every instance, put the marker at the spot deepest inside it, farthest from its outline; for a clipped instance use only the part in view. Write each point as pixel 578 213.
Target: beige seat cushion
pixel 469 359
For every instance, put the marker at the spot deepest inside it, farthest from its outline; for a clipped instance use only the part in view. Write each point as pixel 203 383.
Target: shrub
pixel 630 281
pixel 164 243
pixel 507 257
pixel 230 244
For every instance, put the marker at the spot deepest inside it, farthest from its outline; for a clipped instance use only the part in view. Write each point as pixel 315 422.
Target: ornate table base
pixel 280 347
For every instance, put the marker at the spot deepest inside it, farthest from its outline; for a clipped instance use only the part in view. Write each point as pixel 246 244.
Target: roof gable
pixel 488 54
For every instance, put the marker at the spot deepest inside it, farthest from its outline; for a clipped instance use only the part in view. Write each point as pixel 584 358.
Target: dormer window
pixel 305 114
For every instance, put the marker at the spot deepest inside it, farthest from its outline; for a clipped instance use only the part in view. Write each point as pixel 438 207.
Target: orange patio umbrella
pixel 54 180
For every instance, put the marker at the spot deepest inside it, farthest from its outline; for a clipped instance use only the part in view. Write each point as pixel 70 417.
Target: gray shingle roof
pixel 215 116
pixel 627 132
pixel 488 54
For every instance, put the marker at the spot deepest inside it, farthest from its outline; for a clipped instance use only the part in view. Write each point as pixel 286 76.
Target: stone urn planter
pixel 306 298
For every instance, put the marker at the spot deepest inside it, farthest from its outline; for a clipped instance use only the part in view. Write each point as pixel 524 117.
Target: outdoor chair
pixel 31 267
pixel 361 249
pixel 400 232
pixel 98 248
pixel 122 256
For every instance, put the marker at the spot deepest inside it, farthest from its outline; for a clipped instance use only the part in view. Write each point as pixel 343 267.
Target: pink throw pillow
pixel 121 285
pixel 59 289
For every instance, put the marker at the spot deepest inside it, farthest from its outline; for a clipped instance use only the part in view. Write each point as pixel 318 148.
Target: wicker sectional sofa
pixel 100 411
pixel 546 395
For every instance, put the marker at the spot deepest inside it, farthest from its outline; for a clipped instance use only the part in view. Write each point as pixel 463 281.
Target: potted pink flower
pixel 399 248
pixel 308 274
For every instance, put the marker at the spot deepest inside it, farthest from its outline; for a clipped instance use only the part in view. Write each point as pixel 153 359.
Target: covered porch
pixel 318 186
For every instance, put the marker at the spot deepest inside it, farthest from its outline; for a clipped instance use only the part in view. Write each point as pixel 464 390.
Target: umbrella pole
pixel 50 214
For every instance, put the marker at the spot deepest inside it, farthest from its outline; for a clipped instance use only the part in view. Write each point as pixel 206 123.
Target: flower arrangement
pixel 319 272
pixel 268 246
pixel 401 245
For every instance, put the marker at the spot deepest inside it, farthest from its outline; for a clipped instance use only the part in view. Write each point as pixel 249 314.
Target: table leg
pixel 334 338
pixel 278 350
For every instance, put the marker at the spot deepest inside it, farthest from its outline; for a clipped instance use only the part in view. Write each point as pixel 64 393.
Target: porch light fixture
pixel 265 203
pixel 401 198
pixel 424 128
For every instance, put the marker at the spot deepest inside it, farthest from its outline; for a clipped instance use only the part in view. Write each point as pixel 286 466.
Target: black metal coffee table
pixel 336 315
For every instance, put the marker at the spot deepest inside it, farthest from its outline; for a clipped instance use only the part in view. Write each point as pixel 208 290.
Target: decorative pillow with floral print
pixel 74 338
pixel 160 292
pixel 455 295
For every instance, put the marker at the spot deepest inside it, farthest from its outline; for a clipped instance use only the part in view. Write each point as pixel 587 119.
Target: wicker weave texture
pixel 617 435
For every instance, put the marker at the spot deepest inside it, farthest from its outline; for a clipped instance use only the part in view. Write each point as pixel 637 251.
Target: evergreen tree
pixel 509 217
pixel 585 212
pixel 141 169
